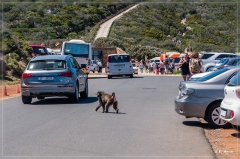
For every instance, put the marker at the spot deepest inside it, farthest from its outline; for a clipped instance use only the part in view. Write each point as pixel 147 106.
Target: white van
pixel 119 65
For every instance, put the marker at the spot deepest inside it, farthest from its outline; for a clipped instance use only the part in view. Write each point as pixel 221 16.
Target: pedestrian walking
pixel 99 63
pixel 141 66
pixel 184 66
pixel 167 64
pixel 154 65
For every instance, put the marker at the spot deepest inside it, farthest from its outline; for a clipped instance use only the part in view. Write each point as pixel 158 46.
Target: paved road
pixel 105 27
pixel 147 125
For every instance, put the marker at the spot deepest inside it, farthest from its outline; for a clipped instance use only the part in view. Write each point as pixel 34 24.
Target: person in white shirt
pixel 154 65
pixel 99 63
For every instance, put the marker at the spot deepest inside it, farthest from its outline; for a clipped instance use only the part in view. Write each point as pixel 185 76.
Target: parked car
pixel 226 62
pixel 198 75
pixel 55 75
pixel 94 66
pixel 230 106
pixel 38 50
pixel 135 68
pixel 202 98
pixel 209 59
pixel 119 65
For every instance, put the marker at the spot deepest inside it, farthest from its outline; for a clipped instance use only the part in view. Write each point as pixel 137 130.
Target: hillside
pixel 48 24
pixel 159 27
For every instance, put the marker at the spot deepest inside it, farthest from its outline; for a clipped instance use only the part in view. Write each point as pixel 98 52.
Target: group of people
pixel 189 65
pixel 166 66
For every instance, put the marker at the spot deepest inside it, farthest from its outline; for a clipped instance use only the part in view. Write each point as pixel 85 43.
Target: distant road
pixel 105 27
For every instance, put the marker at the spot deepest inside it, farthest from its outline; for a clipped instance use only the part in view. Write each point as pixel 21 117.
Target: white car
pixel 198 75
pixel 119 65
pixel 230 106
pixel 93 66
pixel 209 59
pixel 135 68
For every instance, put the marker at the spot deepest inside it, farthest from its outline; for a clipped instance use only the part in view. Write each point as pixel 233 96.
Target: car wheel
pixel 109 77
pixel 213 117
pixel 26 99
pixel 84 94
pixel 40 97
pixel 131 76
pixel 75 96
pixel 236 127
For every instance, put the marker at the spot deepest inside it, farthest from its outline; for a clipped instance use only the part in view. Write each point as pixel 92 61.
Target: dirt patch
pixel 225 142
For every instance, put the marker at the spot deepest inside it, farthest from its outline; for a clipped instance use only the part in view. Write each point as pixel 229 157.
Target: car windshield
pixel 119 58
pixel 223 61
pixel 211 75
pixel 47 65
pixel 76 50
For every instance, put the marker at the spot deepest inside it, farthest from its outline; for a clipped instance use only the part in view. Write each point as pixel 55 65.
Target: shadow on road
pixel 50 101
pixel 195 124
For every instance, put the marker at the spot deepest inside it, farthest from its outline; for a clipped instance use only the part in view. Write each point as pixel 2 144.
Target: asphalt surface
pixel 147 125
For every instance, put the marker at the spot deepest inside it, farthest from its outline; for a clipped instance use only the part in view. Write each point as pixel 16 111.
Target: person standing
pixel 195 64
pixel 162 67
pixel 167 64
pixel 141 66
pixel 184 65
pixel 100 66
pixel 154 65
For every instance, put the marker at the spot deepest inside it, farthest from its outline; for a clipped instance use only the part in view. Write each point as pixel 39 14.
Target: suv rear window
pixel 206 56
pixel 119 58
pixel 235 80
pixel 213 74
pixel 47 65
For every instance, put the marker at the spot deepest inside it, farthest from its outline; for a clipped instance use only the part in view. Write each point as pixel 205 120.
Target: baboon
pixel 107 100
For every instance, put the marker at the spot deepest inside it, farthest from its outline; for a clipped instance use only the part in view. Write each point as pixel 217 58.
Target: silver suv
pixel 209 59
pixel 55 75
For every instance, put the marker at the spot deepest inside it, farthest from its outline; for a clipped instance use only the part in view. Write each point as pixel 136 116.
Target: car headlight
pixel 186 91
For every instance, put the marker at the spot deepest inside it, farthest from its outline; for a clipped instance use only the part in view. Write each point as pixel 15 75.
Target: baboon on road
pixel 107 100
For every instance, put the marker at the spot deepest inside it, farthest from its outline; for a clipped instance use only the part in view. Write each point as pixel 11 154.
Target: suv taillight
pixel 238 93
pixel 108 59
pixel 129 59
pixel 26 75
pixel 66 74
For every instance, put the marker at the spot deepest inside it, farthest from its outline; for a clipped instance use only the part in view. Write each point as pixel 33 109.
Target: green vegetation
pixel 48 24
pixel 152 27
pixel 148 30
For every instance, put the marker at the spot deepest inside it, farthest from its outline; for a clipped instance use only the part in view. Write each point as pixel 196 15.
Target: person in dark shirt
pixel 184 65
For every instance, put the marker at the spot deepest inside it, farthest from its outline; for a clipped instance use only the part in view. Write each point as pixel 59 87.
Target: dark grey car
pixel 202 98
pixel 55 75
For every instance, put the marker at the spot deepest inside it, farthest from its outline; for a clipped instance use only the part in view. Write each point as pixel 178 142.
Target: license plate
pixel 45 78
pixel 223 113
pixel 119 66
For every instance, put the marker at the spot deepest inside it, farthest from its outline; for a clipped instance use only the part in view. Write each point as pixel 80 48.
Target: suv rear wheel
pixel 109 77
pixel 26 99
pixel 84 94
pixel 75 96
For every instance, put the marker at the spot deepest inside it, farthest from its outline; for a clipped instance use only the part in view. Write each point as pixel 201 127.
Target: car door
pixel 81 76
pixel 75 70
